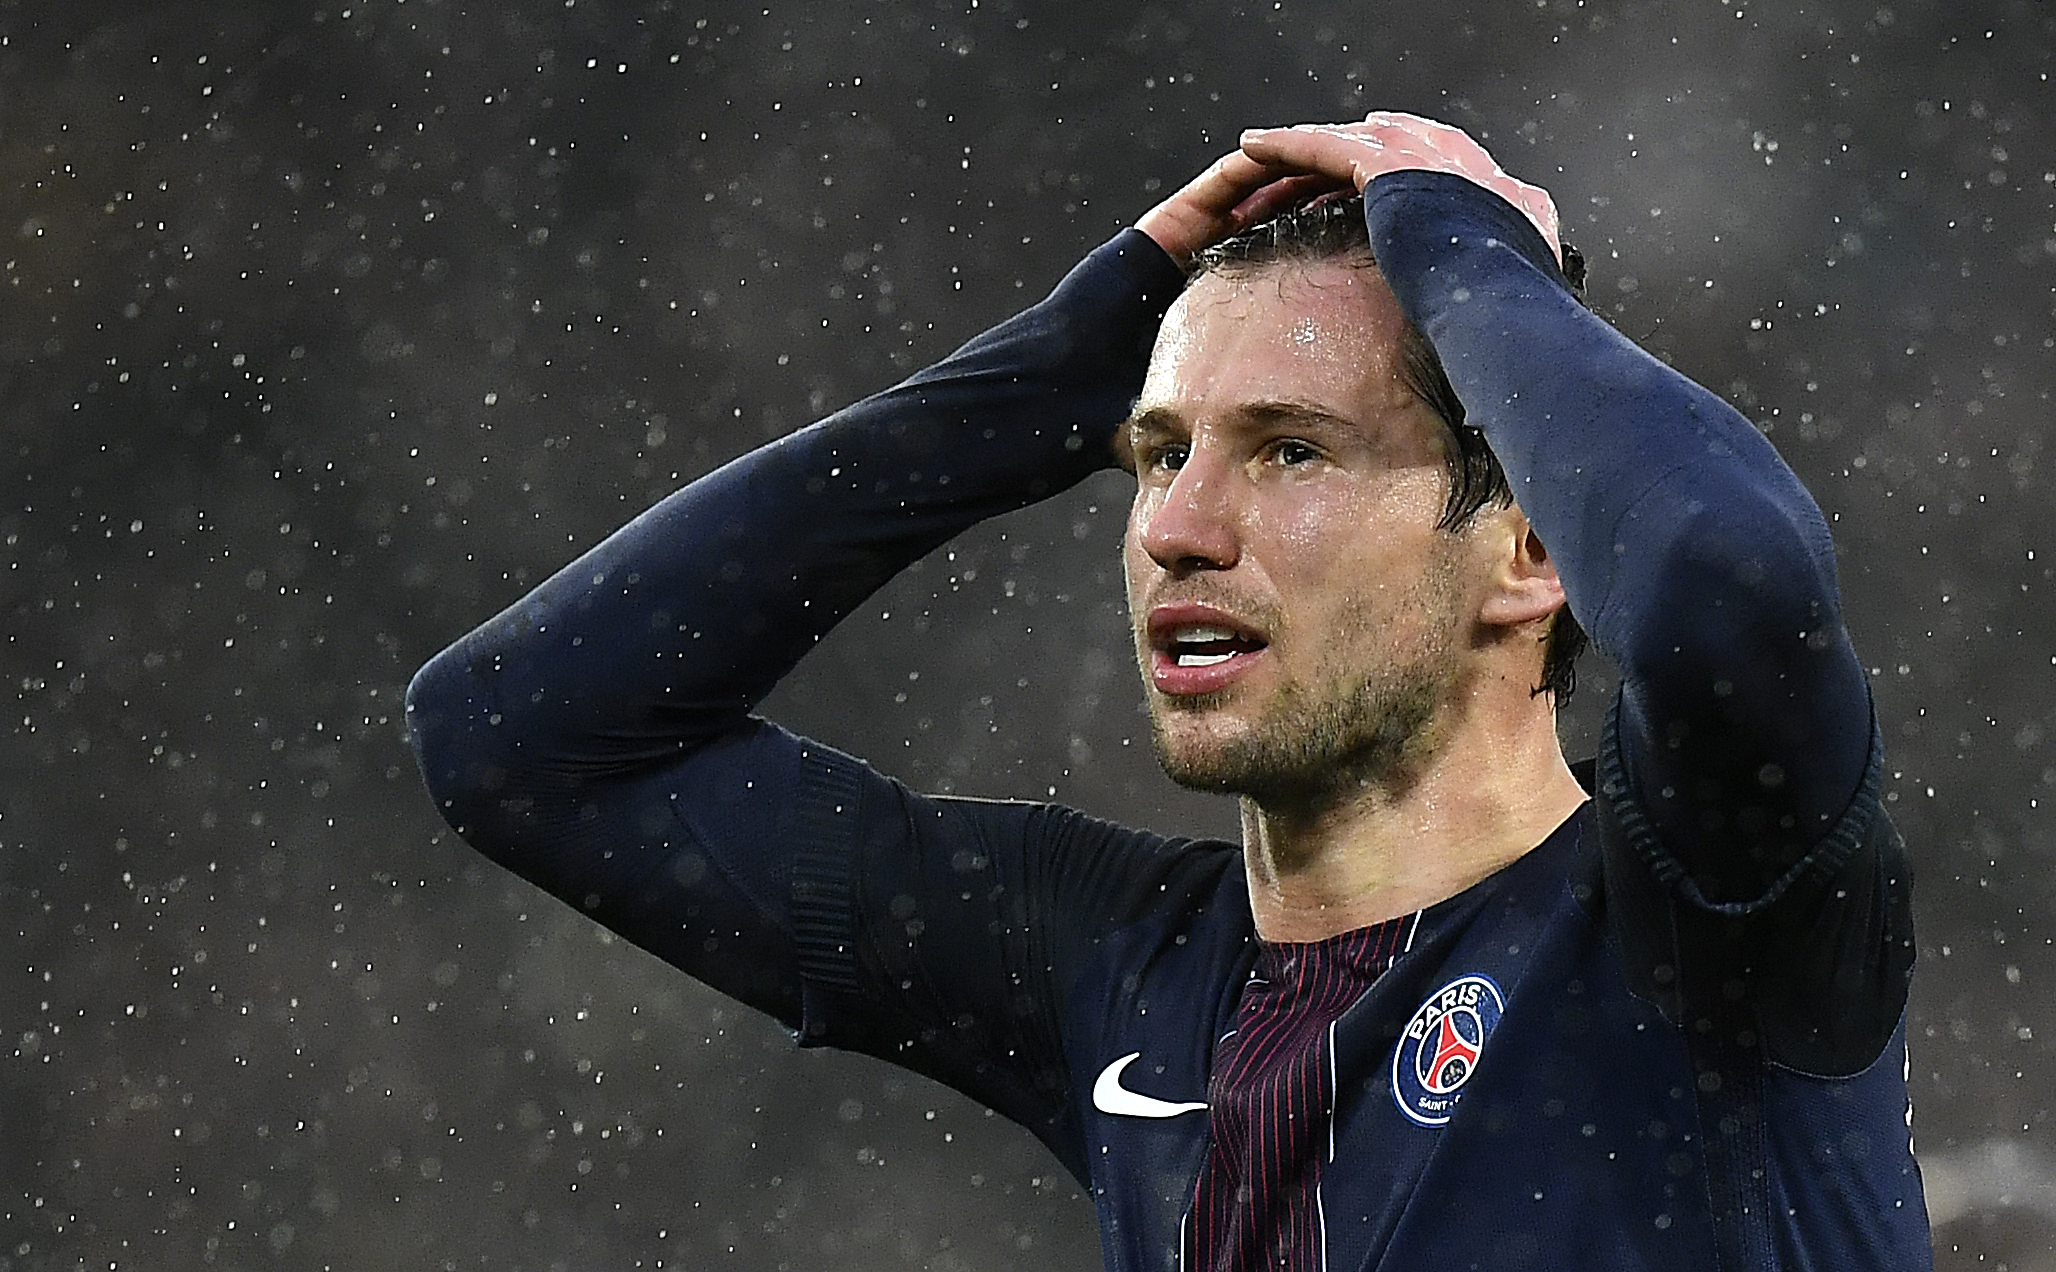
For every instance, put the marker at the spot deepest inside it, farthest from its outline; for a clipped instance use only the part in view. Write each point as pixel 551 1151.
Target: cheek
pixel 1311 527
pixel 1340 527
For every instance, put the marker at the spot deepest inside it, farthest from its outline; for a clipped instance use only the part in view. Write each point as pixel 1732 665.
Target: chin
pixel 1299 750
pixel 1201 775
pixel 1200 755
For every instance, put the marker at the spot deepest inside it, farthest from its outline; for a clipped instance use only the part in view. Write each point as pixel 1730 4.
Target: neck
pixel 1488 792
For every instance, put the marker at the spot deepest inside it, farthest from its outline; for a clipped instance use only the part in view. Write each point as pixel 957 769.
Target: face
pixel 1300 619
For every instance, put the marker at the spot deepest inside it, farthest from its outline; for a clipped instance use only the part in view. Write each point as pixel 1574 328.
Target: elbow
pixel 458 744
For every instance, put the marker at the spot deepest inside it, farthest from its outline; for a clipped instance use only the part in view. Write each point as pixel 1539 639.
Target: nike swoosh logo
pixel 1109 1096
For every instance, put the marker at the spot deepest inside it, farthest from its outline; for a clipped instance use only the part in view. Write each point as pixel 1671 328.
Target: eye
pixel 1292 452
pixel 1166 457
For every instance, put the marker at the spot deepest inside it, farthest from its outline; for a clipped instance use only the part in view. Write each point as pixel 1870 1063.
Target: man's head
pixel 1320 545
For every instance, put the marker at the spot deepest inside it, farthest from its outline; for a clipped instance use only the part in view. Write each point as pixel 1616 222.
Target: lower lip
pixel 1172 680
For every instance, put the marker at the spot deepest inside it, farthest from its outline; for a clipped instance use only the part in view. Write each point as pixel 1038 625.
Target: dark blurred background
pixel 327 328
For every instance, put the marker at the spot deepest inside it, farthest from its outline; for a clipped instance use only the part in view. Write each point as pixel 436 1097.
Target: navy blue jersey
pixel 1669 1035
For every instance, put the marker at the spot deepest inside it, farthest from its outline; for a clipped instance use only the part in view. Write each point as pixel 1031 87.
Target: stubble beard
pixel 1308 747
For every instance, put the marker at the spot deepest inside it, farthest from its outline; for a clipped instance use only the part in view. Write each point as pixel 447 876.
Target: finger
pixel 1314 149
pixel 1282 196
pixel 1229 181
pixel 1203 211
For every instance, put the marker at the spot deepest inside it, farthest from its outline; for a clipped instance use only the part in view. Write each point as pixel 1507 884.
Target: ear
pixel 1525 587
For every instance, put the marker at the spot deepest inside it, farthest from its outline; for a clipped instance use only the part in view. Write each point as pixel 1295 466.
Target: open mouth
pixel 1196 649
pixel 1203 645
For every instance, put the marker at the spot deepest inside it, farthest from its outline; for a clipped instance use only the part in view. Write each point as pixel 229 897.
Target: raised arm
pixel 667 633
pixel 751 564
pixel 556 736
pixel 596 738
pixel 1689 550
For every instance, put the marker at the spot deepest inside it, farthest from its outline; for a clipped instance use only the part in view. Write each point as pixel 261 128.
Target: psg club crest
pixel 1438 1051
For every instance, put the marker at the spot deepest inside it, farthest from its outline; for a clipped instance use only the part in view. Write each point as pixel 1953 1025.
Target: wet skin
pixel 1300 619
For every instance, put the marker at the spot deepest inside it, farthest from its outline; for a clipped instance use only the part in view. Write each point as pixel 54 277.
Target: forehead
pixel 1327 333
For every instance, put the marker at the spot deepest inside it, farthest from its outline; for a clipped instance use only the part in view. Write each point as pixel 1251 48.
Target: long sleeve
pixel 1689 550
pixel 751 564
pixel 596 737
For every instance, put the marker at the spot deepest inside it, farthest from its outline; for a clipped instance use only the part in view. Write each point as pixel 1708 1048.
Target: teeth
pixel 1202 660
pixel 1195 634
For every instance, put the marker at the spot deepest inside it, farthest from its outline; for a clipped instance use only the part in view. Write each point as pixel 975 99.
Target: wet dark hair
pixel 1334 229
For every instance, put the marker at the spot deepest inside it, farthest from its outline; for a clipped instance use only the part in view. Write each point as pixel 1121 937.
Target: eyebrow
pixel 1163 419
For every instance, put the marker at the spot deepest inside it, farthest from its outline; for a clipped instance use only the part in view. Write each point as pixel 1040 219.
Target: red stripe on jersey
pixel 1269 1103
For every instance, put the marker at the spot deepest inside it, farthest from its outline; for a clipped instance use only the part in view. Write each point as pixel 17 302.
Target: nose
pixel 1190 524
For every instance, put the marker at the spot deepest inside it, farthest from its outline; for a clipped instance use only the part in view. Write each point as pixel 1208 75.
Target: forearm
pixel 666 634
pixel 1694 556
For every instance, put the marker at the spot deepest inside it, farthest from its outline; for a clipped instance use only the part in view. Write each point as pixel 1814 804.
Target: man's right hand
pixel 1234 193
